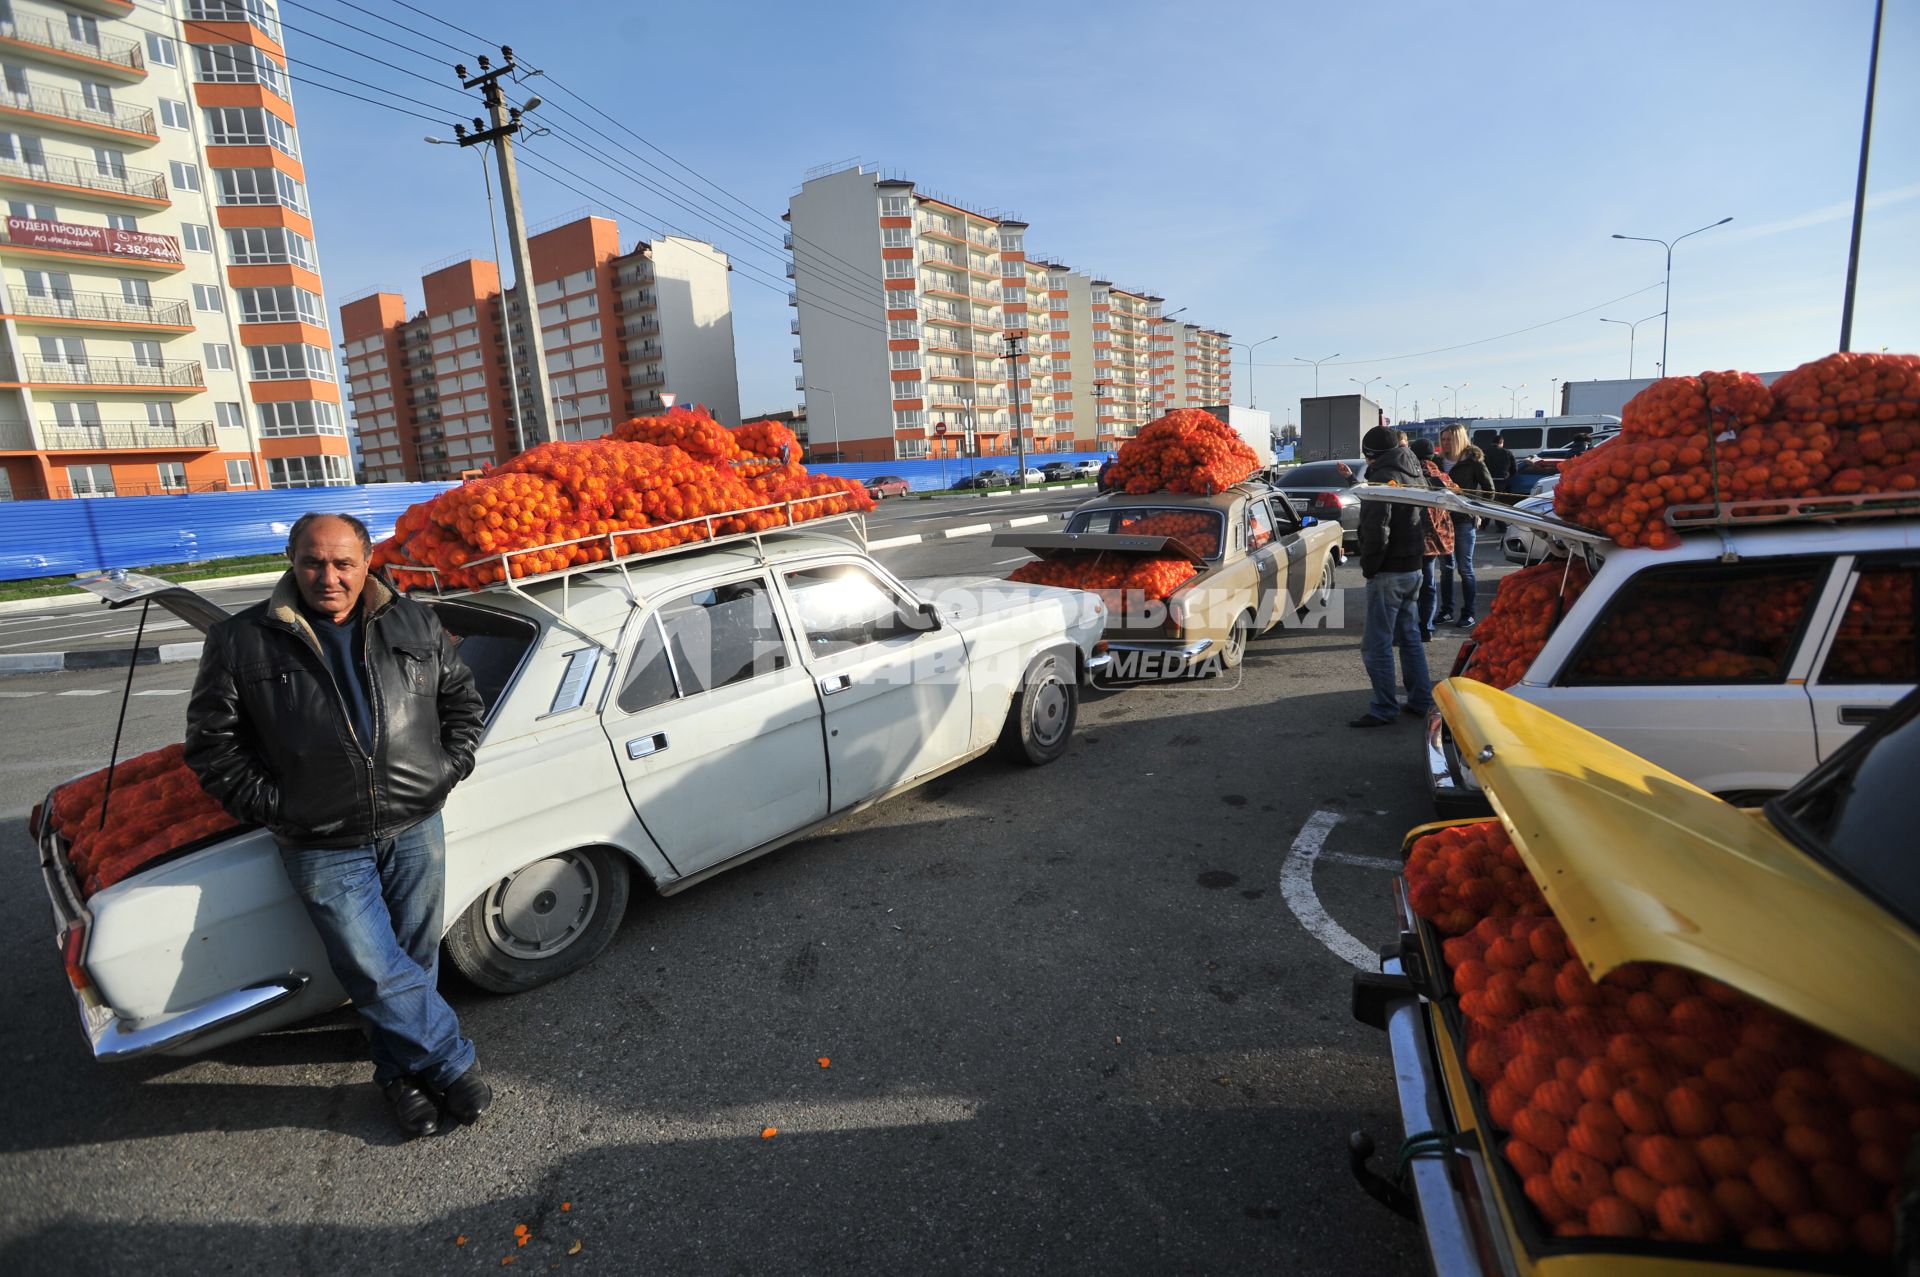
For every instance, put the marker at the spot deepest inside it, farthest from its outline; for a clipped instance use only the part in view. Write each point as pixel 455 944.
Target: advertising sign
pixel 34 232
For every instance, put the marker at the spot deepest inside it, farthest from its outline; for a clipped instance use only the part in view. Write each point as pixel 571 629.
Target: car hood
pixel 964 600
pixel 1640 866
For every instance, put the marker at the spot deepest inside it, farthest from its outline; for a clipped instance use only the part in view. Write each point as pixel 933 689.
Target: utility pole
pixel 1016 339
pixel 505 123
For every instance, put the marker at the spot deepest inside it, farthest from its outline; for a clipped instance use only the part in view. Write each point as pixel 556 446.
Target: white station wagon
pixel 668 716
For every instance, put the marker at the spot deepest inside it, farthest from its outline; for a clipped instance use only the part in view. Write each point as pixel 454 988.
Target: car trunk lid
pixel 1640 866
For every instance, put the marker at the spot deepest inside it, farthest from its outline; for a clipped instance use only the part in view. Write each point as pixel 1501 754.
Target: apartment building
pixel 1194 367
pixel 925 330
pixel 625 334
pixel 162 327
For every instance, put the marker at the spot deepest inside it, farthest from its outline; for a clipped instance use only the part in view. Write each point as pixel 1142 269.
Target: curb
pixel 947 534
pixel 80 598
pixel 98 658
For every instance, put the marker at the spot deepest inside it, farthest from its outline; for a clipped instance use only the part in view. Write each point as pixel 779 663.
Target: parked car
pixel 1031 477
pixel 655 724
pixel 1324 489
pixel 1059 471
pixel 985 479
pixel 1522 544
pixel 1809 907
pixel 887 485
pixel 1791 692
pixel 1257 561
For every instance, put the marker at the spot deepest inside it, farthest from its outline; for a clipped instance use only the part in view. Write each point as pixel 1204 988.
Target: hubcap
pixel 543 908
pixel 1237 637
pixel 1049 712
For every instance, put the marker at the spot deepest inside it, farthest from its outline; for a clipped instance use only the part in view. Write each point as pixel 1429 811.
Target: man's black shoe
pixel 412 1108
pixel 1368 720
pixel 467 1097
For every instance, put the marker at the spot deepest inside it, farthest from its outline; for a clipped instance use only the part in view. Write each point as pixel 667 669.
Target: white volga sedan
pixel 661 721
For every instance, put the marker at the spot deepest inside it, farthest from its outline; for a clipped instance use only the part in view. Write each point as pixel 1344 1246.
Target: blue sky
pixel 1374 179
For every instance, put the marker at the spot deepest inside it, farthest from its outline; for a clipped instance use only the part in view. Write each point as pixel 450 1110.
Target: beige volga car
pixel 1258 561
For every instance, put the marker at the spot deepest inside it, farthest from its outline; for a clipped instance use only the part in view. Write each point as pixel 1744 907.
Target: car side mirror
pixel 923 619
pixel 1307 520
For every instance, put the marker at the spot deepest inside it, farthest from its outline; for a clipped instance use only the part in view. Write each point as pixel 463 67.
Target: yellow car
pixel 1258 563
pixel 1791 932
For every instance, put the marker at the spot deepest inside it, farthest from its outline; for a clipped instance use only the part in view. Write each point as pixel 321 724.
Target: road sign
pixel 939 427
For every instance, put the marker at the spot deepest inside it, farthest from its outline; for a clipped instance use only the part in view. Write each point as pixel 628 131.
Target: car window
pixel 1700 623
pixel 1200 529
pixel 844 606
pixel 1559 436
pixel 707 639
pixel 491 643
pixel 1259 526
pixel 1285 517
pixel 1877 642
pixel 1331 474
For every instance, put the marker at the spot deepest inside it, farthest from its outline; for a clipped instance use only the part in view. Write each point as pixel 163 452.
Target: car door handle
pixel 641 746
pixel 1859 715
pixel 835 683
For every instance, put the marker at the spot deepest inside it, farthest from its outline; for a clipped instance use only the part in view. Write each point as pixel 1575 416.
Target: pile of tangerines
pixel 1117 579
pixel 560 504
pixel 1200 532
pixel 1875 642
pixel 1674 631
pixel 1843 425
pixel 1185 451
pixel 1655 1102
pixel 156 807
pixel 1526 608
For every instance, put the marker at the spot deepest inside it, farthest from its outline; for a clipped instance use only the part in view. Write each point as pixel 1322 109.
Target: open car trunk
pixel 1131 612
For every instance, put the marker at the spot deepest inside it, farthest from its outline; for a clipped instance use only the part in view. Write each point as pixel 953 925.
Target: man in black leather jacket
pixel 338 714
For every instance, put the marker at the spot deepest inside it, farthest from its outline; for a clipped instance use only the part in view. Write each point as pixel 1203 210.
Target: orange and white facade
pixel 161 322
pixel 923 325
pixel 433 391
pixel 1193 366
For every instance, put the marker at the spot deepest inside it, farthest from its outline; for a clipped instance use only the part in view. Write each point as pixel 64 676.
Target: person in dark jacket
pixel 1391 540
pixel 338 714
pixel 1438 547
pixel 1467 468
pixel 1500 464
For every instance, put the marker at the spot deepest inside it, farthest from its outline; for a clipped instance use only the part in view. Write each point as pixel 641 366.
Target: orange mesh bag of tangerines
pixel 1117 579
pixel 1526 609
pixel 156 807
pixel 1185 451
pixel 1655 1103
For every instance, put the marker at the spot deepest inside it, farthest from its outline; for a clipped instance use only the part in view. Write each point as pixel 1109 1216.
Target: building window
pixel 160 50
pixel 323 471
pixel 899 268
pixel 237 64
pixel 895 205
pixel 901 328
pixel 175 114
pixel 904 417
pixel 195 238
pixel 173 476
pixel 1013 294
pixel 904 358
pixel 906 449
pixel 109 163
pixel 186 177
pixel 908 389
pixel 228 416
pixel 896 237
pixel 280 304
pixel 261 186
pixel 41 212
pixel 90 481
pixel 240 474
pixel 27 150
pixel 307 417
pixel 219 354
pixel 206 297
pixel 250 126
pixel 83 29
pixel 257 12
pixel 290 363
pixel 269 245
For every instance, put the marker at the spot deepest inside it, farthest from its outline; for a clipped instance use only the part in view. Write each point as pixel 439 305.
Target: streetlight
pixel 833 406
pixel 1365 385
pixel 1250 349
pixel 506 315
pixel 1666 302
pixel 1316 369
pixel 1632 328
pixel 1396 396
pixel 1456 395
pixel 1513 401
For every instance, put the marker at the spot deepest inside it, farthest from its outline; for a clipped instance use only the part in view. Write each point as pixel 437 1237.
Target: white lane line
pixel 1029 520
pixel 1296 886
pixel 163 691
pixel 18 696
pixel 1344 858
pixel 92 691
pixel 970 530
pixel 1018 558
pixel 888 543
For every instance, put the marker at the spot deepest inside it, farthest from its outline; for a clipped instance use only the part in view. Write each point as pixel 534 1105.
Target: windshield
pixel 491 643
pixel 1856 811
pixel 1199 529
pixel 1319 474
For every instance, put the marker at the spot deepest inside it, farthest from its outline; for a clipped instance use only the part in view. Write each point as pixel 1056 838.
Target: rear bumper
pixel 1450 785
pixel 113 1038
pixel 1165 647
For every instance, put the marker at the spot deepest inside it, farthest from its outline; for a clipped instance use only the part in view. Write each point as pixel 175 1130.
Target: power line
pixel 451 26
pixel 414 31
pixel 358 98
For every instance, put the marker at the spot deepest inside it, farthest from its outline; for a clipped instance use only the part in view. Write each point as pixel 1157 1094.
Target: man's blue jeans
pixel 1465 539
pixel 377 909
pixel 1393 600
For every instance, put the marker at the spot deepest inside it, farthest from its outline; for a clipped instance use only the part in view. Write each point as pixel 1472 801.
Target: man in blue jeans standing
pixel 1391 543
pixel 338 714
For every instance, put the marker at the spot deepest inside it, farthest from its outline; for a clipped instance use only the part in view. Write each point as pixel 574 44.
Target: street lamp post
pixel 833 406
pixel 1250 349
pixel 1316 369
pixel 1396 396
pixel 1456 395
pixel 1367 384
pixel 1632 328
pixel 1513 400
pixel 1666 303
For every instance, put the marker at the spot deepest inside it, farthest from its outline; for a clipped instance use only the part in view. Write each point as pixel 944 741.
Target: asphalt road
pixel 1072 1026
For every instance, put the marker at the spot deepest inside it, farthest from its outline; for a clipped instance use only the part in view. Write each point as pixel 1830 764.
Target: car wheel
pixel 1040 722
pixel 1234 650
pixel 541 922
pixel 1322 594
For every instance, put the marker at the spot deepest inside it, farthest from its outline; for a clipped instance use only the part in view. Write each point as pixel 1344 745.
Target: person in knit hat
pixel 1392 541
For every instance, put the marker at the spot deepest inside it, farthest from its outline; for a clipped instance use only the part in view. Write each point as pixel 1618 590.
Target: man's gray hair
pixel 305 521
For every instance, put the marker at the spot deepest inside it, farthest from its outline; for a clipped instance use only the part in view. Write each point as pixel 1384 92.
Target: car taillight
pixel 1176 615
pixel 73 951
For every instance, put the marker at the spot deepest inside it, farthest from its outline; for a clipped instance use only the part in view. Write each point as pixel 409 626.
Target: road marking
pixel 970 530
pixel 163 691
pixel 1029 520
pixel 92 691
pixel 1333 857
pixel 1296 886
pixel 888 543
pixel 19 696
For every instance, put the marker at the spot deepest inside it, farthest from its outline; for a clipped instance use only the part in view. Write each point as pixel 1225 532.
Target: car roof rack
pixel 616 562
pixel 1815 509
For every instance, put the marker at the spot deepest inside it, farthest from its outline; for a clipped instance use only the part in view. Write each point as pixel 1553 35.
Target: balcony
pixel 60 175
pixel 639 328
pixel 107 8
pixel 126 250
pixel 197 436
pixel 627 276
pixel 638 301
pixel 641 378
pixel 796 355
pixel 182 375
pixel 64 111
pixel 430 434
pixel 793 325
pixel 100 309
pixel 35 37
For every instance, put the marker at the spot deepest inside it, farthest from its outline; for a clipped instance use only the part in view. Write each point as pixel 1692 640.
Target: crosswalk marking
pixel 91 691
pixel 163 691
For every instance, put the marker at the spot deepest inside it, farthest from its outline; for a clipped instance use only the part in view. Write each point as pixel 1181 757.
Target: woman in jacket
pixel 1437 539
pixel 1466 466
